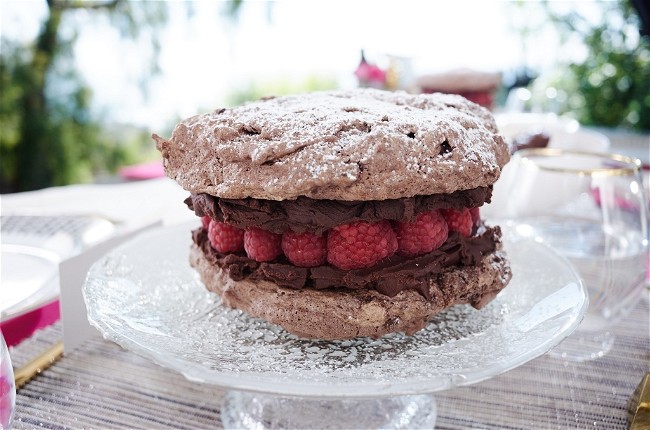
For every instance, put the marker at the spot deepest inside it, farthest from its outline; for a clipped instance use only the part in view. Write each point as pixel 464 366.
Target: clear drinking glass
pixel 7 387
pixel 590 208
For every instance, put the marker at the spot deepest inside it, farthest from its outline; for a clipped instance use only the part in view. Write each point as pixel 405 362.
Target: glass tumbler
pixel 591 208
pixel 7 387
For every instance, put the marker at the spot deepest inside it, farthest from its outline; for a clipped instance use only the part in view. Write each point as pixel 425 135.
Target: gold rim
pixel 630 165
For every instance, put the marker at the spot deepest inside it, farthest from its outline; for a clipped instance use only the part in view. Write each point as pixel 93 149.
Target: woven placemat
pixel 101 385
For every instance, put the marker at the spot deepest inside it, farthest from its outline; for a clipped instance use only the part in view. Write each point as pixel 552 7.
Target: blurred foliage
pixel 48 135
pixel 282 86
pixel 611 86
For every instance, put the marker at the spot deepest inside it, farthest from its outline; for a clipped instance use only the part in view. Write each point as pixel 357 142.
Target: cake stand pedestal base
pixel 265 411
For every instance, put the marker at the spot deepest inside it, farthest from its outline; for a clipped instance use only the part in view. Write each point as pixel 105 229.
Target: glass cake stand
pixel 144 296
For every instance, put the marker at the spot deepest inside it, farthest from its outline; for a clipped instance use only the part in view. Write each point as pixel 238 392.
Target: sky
pixel 205 57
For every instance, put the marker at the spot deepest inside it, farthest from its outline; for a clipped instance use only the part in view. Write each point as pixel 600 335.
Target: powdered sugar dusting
pixel 346 145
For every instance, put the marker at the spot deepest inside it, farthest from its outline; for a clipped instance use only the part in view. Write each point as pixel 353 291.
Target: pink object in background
pixel 143 171
pixel 369 75
pixel 21 327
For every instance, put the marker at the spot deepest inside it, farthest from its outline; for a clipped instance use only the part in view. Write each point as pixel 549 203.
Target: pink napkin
pixel 138 172
pixel 22 327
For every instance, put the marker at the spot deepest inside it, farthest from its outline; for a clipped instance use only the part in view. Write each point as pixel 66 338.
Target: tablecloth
pixel 101 385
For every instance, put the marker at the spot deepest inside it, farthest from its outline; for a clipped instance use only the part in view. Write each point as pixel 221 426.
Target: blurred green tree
pixel 48 135
pixel 610 86
pixel 613 83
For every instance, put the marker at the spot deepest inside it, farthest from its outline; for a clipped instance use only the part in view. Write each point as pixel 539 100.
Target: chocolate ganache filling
pixel 390 276
pixel 306 214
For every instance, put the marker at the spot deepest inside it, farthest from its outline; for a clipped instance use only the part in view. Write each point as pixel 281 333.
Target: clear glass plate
pixel 145 297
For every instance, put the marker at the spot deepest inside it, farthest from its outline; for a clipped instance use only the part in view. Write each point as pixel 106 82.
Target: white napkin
pixel 129 203
pixel 72 275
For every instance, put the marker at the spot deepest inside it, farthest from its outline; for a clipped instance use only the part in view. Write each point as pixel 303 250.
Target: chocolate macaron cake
pixel 345 213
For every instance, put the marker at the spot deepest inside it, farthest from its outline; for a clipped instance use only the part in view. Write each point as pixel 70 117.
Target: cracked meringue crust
pixel 342 145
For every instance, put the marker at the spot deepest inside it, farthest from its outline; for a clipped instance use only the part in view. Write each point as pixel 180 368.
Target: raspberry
pixel 304 249
pixel 476 217
pixel 262 245
pixel 205 221
pixel 426 233
pixel 224 237
pixel 360 244
pixel 458 220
